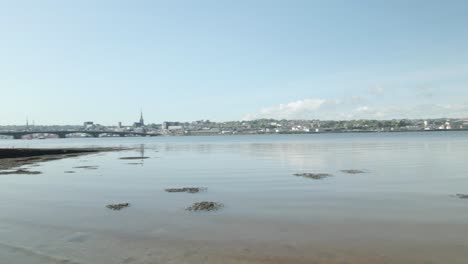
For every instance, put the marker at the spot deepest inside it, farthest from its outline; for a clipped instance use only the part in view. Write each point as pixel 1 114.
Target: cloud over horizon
pixel 348 109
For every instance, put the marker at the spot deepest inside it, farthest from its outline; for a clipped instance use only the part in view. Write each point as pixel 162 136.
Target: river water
pixel 403 209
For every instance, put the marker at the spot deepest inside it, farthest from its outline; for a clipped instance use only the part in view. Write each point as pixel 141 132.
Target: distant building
pixel 171 125
pixel 175 127
pixel 88 124
pixel 141 123
pixel 139 130
pixel 448 125
pixel 426 125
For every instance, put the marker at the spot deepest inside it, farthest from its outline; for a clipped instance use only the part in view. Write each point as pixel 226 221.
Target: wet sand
pixel 68 245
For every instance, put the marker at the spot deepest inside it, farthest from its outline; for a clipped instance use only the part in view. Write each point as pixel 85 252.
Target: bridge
pixel 63 134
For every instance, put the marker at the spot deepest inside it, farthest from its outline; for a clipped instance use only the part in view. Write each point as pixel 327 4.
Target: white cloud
pixel 310 108
pixel 357 99
pixel 380 94
pixel 362 109
pixel 291 110
pixel 425 92
pixel 377 90
pixel 337 110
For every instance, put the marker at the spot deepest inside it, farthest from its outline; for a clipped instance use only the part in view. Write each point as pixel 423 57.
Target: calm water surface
pixel 402 210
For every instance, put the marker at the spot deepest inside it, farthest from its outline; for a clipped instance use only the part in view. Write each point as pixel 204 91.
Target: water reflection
pixel 406 197
pixel 322 154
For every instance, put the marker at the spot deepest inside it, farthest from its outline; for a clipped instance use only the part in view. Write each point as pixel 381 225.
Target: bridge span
pixel 63 134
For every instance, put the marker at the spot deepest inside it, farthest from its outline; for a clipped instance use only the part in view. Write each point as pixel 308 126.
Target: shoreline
pixel 11 158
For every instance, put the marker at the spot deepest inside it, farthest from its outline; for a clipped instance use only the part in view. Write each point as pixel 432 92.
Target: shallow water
pixel 401 210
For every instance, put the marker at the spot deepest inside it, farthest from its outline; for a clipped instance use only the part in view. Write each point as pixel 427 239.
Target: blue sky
pixel 65 62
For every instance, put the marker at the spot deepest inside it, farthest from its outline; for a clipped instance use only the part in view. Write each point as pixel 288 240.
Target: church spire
pixel 142 121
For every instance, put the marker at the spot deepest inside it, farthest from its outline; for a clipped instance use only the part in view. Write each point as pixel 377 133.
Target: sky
pixel 66 62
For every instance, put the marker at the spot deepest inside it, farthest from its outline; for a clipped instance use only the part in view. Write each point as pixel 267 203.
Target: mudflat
pixel 16 157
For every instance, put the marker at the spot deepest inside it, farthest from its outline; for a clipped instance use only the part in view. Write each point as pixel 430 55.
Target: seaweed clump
pixel 314 176
pixel 353 171
pixel 19 171
pixel 205 206
pixel 133 158
pixel 87 167
pixel 118 207
pixel 186 190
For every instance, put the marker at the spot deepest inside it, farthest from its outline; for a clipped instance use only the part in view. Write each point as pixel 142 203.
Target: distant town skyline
pixel 104 61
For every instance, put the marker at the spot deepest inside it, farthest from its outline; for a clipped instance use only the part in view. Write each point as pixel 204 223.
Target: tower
pixel 142 121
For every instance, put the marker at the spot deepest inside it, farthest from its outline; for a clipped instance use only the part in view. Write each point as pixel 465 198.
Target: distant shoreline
pixel 321 132
pixel 273 133
pixel 366 131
